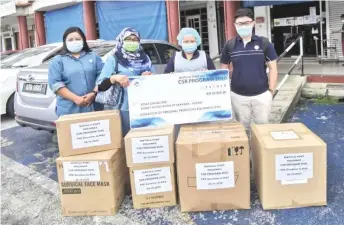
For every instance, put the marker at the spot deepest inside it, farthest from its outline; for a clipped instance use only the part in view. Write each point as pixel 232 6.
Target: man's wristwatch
pixel 95 92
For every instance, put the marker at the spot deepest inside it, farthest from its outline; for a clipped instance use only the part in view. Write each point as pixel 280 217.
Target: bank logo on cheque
pixel 136 83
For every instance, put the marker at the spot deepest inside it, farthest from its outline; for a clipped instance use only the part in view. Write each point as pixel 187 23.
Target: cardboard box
pixel 149 146
pixel 213 167
pixel 92 184
pixel 289 166
pixel 89 132
pixel 153 186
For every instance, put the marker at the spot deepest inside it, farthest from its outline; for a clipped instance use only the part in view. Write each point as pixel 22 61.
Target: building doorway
pixel 197 18
pixel 290 20
pixel 195 22
pixel 8 44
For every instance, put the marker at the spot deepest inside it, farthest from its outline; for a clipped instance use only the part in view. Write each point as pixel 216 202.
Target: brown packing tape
pixel 296 205
pixel 210 126
pixel 220 150
pixel 214 135
pixel 88 114
pixel 221 206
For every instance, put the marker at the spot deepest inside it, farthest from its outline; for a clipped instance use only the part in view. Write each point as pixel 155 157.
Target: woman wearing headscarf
pixel 189 59
pixel 131 60
pixel 73 73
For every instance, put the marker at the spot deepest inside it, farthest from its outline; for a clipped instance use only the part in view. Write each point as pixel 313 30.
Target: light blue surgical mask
pixel 74 46
pixel 244 31
pixel 189 47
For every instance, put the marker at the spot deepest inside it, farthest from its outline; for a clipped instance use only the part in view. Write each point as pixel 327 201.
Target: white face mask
pixel 342 20
pixel 74 46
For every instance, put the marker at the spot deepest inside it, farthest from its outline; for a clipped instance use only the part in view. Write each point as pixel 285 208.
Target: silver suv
pixel 34 101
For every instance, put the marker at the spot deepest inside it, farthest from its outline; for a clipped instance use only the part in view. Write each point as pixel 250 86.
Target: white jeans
pixel 256 108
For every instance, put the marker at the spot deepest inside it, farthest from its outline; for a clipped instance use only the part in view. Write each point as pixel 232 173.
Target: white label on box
pixel 81 171
pixel 294 167
pixel 215 175
pixel 90 134
pixel 153 180
pixel 284 135
pixel 150 149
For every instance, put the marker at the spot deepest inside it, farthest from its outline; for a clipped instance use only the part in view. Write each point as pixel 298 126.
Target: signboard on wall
pixel 309 19
pixel 313 11
pixel 299 21
pixel 296 21
pixel 282 22
pixel 290 21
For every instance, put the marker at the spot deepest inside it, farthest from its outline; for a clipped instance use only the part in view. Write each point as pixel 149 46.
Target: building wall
pixel 55 10
pixel 9 29
pixel 263 27
pixel 336 9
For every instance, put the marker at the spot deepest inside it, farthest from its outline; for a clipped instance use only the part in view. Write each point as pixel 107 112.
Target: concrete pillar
pixel 230 7
pixel 23 33
pixel 90 20
pixel 212 29
pixel 40 29
pixel 172 8
pixel 262 27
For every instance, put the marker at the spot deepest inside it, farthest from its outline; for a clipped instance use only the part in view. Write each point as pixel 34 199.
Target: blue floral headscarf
pixel 137 61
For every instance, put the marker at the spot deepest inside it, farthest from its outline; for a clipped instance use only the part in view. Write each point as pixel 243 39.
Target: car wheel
pixel 10 106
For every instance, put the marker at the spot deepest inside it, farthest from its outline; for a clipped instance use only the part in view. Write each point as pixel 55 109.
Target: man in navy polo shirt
pixel 248 54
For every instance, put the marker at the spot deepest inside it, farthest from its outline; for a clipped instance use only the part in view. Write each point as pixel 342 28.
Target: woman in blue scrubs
pixel 132 61
pixel 73 74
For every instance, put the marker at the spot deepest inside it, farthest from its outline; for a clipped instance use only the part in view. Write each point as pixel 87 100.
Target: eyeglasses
pixel 240 24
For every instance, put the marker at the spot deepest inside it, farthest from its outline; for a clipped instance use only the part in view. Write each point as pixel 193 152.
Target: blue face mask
pixel 189 47
pixel 244 31
pixel 74 46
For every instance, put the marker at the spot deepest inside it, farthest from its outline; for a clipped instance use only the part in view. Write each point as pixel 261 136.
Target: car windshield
pixel 5 55
pixel 26 56
pixel 99 49
pixel 12 58
pixel 102 49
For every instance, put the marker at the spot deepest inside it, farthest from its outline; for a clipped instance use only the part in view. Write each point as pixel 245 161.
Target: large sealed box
pixel 153 186
pixel 89 132
pixel 213 167
pixel 149 146
pixel 92 184
pixel 289 166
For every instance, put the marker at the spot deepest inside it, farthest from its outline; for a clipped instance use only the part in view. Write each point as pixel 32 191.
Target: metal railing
pixel 300 57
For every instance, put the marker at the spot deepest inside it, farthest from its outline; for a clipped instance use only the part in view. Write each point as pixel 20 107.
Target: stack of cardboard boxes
pixel 91 168
pixel 212 160
pixel 150 158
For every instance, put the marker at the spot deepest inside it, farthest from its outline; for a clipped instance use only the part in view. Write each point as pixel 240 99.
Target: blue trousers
pixel 125 122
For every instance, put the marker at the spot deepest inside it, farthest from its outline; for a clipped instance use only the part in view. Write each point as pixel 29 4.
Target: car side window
pixel 151 52
pixel 165 52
